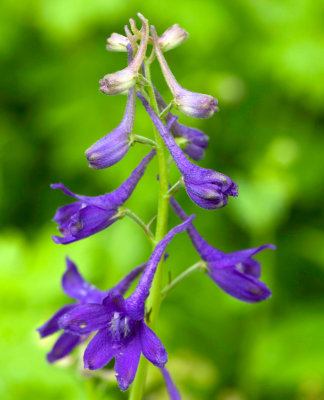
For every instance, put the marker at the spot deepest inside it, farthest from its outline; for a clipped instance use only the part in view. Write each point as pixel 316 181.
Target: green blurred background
pixel 263 60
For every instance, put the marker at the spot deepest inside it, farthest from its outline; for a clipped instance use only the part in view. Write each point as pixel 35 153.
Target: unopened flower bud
pixel 207 188
pixel 117 42
pixel 123 80
pixel 172 37
pixel 195 105
pixel 194 141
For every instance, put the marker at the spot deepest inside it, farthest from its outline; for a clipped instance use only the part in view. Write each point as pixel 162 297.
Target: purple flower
pixel 207 188
pixel 83 292
pixel 90 215
pixel 236 273
pixel 196 141
pixel 195 105
pixel 123 80
pixel 110 149
pixel 122 332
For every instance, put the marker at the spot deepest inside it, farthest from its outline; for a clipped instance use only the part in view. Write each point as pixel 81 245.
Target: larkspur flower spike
pixel 110 149
pixel 236 273
pixel 89 215
pixel 196 141
pixel 122 332
pixel 83 292
pixel 121 81
pixel 207 188
pixel 195 105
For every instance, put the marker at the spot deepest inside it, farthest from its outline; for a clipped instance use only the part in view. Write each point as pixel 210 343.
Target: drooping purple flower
pixel 122 332
pixel 195 105
pixel 236 273
pixel 89 215
pixel 110 149
pixel 123 80
pixel 77 288
pixel 196 141
pixel 207 188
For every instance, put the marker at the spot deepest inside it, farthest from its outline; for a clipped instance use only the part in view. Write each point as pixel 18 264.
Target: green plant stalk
pixel 185 274
pixel 155 298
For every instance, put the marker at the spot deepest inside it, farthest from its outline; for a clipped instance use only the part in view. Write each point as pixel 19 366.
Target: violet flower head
pixel 195 105
pixel 123 80
pixel 89 215
pixel 207 188
pixel 236 273
pixel 196 141
pixel 110 149
pixel 122 332
pixel 77 288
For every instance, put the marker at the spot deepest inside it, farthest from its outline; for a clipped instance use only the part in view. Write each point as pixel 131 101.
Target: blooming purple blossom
pixel 83 292
pixel 110 149
pixel 90 215
pixel 236 273
pixel 123 80
pixel 122 332
pixel 195 105
pixel 207 188
pixel 172 390
pixel 196 141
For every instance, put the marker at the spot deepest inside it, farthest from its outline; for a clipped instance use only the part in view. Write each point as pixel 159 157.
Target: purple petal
pixel 173 391
pixel 241 255
pixel 152 348
pixel 52 325
pixel 120 195
pixel 77 288
pixel 204 249
pixel 99 351
pixel 86 318
pixel 127 359
pixel 136 302
pixel 113 147
pixel 63 214
pixel 241 286
pixel 108 150
pixel 63 346
pixel 122 287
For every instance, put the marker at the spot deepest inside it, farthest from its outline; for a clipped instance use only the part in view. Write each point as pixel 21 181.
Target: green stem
pixel 143 140
pixel 141 224
pixel 166 111
pixel 155 298
pixel 183 275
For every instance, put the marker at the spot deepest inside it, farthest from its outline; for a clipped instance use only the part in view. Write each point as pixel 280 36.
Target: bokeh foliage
pixel 263 60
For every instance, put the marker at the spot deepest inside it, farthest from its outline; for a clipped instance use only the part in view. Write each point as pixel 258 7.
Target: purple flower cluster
pixel 117 325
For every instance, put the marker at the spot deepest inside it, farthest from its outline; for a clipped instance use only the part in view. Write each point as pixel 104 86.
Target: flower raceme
pixel 195 105
pixel 123 80
pixel 236 273
pixel 122 332
pixel 83 292
pixel 196 141
pixel 208 189
pixel 89 215
pixel 110 149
